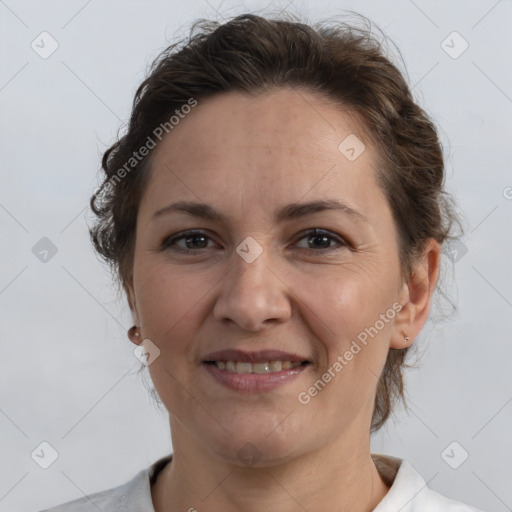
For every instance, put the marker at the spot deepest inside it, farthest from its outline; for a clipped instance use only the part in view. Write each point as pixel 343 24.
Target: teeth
pixel 259 368
pixel 275 366
pixel 243 367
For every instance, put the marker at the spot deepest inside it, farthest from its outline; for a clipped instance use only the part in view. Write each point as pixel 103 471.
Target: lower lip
pixel 253 382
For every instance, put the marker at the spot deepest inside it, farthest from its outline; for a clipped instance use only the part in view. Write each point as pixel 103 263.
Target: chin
pixel 257 454
pixel 258 443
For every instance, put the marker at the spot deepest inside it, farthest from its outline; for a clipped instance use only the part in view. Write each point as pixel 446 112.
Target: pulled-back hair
pixel 343 62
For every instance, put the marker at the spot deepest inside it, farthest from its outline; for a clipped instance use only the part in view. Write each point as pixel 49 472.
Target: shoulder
pixel 409 492
pixel 133 496
pixel 431 501
pixel 109 500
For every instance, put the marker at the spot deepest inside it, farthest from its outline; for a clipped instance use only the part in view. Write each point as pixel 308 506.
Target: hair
pixel 347 65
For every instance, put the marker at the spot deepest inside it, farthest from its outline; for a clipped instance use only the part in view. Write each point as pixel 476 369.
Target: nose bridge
pixel 251 294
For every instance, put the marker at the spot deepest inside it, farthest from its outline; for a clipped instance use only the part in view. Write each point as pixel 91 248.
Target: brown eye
pixel 319 239
pixel 192 240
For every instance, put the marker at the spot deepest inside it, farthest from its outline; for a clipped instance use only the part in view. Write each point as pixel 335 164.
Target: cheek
pixel 343 306
pixel 170 302
pixel 341 313
pixel 342 291
pixel 172 309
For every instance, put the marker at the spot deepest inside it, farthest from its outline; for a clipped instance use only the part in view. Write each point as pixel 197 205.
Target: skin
pixel 248 156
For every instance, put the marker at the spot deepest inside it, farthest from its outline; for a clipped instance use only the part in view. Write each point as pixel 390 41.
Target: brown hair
pixel 249 53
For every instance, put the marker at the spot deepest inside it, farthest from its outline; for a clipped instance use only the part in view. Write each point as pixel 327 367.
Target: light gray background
pixel 68 374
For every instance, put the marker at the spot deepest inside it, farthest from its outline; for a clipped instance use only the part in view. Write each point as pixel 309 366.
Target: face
pixel 293 261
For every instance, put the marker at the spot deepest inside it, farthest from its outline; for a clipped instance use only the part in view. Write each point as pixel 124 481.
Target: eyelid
pixel 169 240
pixel 321 231
pixel 172 239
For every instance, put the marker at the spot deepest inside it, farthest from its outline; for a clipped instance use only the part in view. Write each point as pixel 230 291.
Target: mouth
pixel 254 371
pixel 260 362
pixel 272 366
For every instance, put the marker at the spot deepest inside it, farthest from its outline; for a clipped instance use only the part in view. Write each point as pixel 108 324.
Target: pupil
pixel 194 238
pixel 320 237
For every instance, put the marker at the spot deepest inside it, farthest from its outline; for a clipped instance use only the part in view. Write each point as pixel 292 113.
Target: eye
pixel 193 239
pixel 320 239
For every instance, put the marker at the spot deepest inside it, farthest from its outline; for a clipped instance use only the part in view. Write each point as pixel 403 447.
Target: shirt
pixel 408 492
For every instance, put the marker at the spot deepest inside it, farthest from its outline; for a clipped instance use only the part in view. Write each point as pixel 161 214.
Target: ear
pixel 416 296
pixel 132 303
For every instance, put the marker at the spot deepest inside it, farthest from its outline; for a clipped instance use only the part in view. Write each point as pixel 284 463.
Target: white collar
pixel 408 491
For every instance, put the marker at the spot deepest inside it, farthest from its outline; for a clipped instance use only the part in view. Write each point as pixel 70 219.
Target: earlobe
pixel 134 334
pixel 416 297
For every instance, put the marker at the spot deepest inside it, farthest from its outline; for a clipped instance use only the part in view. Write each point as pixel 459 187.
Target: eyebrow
pixel 289 212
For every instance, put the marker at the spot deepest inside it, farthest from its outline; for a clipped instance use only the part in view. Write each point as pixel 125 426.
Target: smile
pixel 258 368
pixel 254 371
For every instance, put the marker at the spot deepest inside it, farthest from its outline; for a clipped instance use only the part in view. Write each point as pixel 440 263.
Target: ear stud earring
pixel 133 331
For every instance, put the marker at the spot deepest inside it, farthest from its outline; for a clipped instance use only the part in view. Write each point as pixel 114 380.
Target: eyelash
pixel 168 242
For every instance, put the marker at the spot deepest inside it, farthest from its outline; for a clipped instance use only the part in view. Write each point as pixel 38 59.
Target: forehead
pixel 288 142
pixel 293 120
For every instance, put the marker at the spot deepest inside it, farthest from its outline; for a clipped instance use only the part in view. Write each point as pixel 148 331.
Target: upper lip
pixel 259 356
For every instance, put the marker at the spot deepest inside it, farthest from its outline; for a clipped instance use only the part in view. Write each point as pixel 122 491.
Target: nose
pixel 252 295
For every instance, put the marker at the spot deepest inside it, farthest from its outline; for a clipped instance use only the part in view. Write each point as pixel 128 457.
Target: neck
pixel 197 479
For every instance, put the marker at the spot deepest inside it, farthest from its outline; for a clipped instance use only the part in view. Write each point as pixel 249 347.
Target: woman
pixel 275 212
